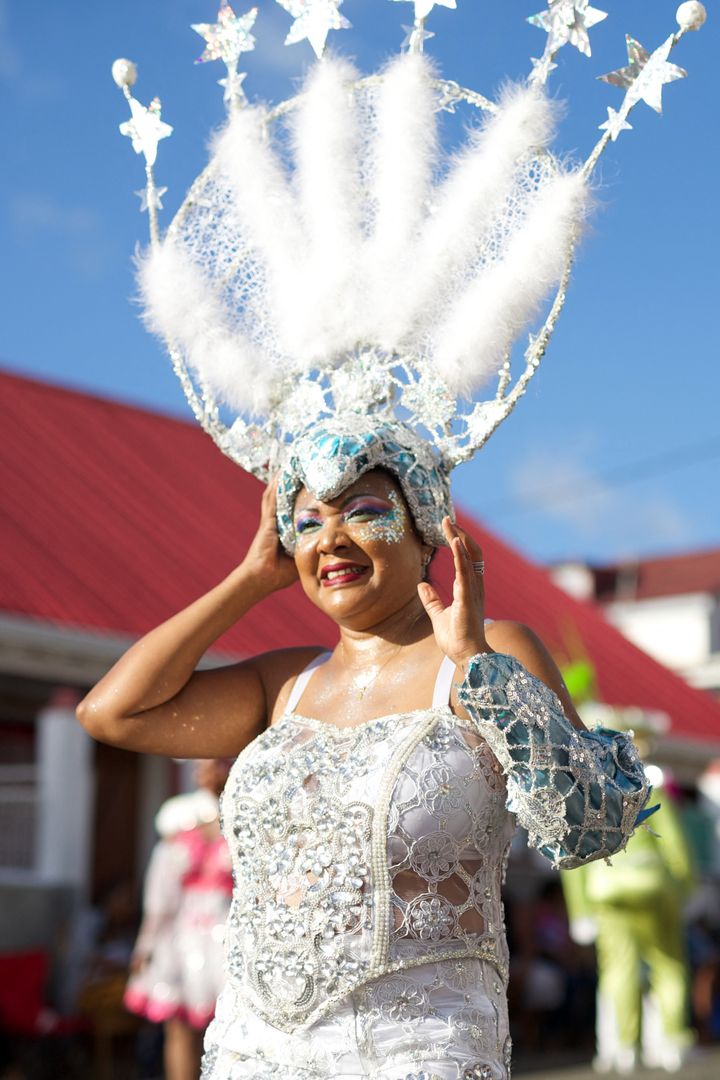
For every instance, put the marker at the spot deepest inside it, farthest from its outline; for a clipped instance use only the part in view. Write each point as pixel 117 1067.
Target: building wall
pixel 76 822
pixel 682 631
pixel 679 631
pixel 674 629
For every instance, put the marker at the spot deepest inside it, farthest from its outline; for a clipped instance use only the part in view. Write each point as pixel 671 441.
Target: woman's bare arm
pixel 152 700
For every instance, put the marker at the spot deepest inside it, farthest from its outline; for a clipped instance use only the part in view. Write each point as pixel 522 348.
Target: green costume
pixel 636 906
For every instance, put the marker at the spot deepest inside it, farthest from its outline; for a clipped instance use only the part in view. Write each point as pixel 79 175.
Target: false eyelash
pixel 375 511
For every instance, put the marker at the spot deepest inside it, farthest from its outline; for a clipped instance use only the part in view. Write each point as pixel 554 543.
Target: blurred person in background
pixel 552 977
pixel 177 963
pixel 633 910
pixel 702 818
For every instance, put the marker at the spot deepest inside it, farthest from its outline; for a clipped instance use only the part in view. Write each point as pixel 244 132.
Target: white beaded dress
pixel 365 939
pixel 357 851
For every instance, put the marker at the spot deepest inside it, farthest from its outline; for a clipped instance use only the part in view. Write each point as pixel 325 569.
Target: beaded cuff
pixel 580 794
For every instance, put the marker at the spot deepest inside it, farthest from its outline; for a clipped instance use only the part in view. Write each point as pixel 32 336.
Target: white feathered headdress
pixel 333 268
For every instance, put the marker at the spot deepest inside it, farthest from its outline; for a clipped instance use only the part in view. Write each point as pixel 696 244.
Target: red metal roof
pixel 115 517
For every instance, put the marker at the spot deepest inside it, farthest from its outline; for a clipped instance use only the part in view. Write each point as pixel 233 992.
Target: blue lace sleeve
pixel 579 794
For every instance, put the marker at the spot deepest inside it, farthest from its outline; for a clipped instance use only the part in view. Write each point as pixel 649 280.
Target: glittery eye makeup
pixel 307 523
pixel 384 523
pixel 366 506
pixel 370 517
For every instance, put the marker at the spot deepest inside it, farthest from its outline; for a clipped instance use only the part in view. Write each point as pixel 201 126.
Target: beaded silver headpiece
pixel 335 289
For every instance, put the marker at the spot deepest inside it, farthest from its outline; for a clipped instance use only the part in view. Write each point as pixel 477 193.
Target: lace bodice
pixel 353 846
pixel 362 851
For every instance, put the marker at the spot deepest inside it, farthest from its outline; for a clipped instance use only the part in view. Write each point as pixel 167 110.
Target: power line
pixel 618 476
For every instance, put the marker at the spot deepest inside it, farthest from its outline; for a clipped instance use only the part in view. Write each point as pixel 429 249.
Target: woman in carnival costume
pixel 344 290
pixel 177 963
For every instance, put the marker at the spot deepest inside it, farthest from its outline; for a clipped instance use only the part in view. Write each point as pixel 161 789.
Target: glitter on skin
pixel 389 526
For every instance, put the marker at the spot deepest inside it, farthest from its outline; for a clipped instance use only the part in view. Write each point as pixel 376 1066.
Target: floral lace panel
pixel 349 844
pixel 448 835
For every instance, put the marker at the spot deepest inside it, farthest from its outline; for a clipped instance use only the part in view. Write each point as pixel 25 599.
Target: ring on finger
pixel 479 567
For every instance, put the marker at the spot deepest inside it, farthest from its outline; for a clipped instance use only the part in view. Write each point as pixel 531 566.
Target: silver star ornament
pixel 646 73
pixel 314 19
pixel 151 197
pixel 424 7
pixel 614 124
pixel 233 86
pixel 415 37
pixel 541 68
pixel 145 128
pixel 568 21
pixel 228 37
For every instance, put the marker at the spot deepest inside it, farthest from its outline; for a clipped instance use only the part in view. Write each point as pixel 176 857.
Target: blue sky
pixel 615 450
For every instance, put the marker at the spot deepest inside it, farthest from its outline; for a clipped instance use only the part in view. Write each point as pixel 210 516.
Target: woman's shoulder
pixel 289 661
pixel 278 670
pixel 510 637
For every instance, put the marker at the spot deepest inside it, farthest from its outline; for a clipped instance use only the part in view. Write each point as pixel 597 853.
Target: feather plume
pixel 472 341
pixel 265 211
pixel 181 307
pixel 467 203
pixel 282 268
pixel 327 183
pixel 402 157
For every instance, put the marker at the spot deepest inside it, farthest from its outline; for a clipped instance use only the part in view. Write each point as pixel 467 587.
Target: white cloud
pixel 663 523
pixel 276 58
pixel 627 520
pixel 548 484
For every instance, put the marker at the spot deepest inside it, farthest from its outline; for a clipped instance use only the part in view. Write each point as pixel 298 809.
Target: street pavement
pixel 704 1065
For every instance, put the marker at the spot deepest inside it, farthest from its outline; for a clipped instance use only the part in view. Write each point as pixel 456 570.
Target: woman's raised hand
pixel 265 556
pixel 460 628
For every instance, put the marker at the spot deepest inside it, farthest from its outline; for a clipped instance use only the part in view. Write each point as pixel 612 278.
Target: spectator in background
pixel 633 910
pixel 704 914
pixel 177 966
pixel 552 979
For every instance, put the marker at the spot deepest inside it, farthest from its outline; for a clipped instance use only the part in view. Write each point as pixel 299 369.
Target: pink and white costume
pixel 187 897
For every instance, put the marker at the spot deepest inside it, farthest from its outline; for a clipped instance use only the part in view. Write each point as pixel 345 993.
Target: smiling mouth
pixel 332 576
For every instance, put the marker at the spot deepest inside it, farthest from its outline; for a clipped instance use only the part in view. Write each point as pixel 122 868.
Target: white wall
pixel 675 630
pixel 65 785
pixel 155 787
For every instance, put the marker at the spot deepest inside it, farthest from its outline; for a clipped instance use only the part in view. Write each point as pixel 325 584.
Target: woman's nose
pixel 332 535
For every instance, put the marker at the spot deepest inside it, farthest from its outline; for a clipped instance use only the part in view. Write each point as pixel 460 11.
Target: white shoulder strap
pixel 443 683
pixel 303 679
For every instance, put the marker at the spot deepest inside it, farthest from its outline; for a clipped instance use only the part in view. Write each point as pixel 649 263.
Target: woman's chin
pixel 346 598
pixel 345 601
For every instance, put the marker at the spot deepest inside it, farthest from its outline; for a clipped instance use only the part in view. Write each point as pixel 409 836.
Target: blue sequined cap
pixel 333 455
